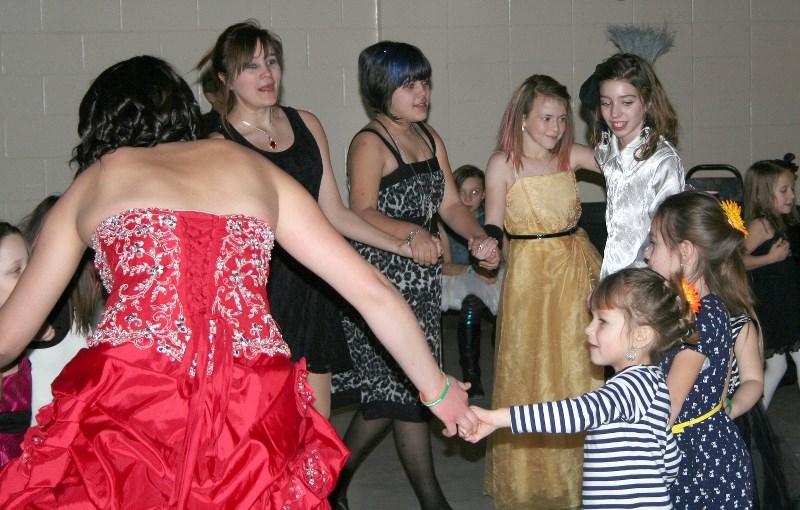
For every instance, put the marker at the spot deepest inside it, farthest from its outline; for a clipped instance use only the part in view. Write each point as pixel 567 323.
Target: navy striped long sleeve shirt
pixel 630 456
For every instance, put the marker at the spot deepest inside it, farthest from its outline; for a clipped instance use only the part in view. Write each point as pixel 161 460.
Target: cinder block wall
pixel 732 74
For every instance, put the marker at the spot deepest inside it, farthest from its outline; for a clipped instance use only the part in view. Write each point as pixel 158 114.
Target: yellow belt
pixel 679 427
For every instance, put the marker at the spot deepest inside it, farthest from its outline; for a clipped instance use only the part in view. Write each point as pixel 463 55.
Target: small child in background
pixel 465 286
pixel 769 210
pixel 634 133
pixel 630 454
pixel 15 398
pixel 695 237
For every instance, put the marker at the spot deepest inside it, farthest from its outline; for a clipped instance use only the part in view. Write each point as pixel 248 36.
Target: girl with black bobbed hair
pixel 399 179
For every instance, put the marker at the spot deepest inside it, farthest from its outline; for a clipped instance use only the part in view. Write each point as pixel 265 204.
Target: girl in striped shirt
pixel 630 455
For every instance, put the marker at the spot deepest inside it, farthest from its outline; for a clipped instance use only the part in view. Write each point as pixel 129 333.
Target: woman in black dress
pixel 249 62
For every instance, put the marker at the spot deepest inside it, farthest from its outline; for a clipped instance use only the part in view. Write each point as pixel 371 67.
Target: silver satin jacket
pixel 634 189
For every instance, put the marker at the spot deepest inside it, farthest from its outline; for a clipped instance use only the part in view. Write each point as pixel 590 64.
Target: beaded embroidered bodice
pixel 176 278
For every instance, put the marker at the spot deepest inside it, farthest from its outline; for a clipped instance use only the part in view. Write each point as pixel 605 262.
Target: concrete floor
pixel 381 484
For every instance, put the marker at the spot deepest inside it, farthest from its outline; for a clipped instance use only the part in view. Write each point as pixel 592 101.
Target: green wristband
pixel 441 396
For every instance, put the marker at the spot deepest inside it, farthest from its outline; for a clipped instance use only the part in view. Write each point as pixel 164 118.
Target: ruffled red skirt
pixel 116 437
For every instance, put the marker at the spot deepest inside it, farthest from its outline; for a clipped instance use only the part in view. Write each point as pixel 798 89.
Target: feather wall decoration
pixel 646 41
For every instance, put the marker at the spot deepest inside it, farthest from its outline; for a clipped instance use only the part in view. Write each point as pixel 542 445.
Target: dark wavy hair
pixel 233 50
pixel 660 116
pixel 386 66
pixel 139 102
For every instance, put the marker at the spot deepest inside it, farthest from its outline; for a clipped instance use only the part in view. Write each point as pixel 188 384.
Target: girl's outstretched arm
pixel 58 252
pixel 346 222
pixel 303 231
pixel 490 420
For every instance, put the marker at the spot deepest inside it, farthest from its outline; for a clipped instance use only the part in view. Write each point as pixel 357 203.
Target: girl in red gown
pixel 186 396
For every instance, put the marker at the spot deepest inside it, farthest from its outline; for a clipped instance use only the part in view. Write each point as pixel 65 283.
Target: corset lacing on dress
pixel 205 370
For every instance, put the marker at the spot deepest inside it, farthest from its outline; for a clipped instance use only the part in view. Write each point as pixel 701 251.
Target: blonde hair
pixel 759 191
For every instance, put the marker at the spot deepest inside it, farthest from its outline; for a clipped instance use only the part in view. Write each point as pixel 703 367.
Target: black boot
pixel 469 344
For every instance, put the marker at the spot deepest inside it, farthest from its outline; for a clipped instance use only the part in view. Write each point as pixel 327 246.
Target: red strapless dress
pixel 186 397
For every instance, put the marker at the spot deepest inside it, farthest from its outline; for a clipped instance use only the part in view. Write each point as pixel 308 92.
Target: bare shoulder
pixel 434 134
pixel 368 138
pixel 759 230
pixel 499 164
pixel 498 158
pixel 314 125
pixel 309 118
pixel 581 156
pixel 760 227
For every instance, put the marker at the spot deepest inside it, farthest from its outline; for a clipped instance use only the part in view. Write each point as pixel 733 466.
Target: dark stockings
pixel 413 443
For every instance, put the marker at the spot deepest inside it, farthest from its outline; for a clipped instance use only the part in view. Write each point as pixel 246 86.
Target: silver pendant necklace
pixel 429 218
pixel 272 143
pixel 417 179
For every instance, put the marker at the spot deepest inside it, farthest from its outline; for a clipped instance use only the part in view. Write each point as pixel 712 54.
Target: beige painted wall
pixel 732 74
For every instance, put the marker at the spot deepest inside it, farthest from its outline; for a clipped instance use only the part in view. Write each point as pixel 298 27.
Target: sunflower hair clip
pixel 733 212
pixel 691 294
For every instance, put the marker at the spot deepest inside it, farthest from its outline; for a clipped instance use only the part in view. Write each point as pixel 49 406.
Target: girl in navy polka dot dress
pixel 696 237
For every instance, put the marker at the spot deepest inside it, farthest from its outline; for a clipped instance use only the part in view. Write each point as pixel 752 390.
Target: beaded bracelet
pixel 441 395
pixel 413 234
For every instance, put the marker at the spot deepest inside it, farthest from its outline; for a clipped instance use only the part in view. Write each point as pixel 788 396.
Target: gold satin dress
pixel 541 349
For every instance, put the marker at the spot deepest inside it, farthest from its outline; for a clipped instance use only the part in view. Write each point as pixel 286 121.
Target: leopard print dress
pixel 385 392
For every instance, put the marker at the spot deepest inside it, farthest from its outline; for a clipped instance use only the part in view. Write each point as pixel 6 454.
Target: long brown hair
pixel 660 116
pixel 697 217
pixel 759 193
pixel 509 136
pixel 234 49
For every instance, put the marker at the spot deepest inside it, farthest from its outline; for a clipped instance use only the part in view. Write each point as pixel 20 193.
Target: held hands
pixel 485 249
pixel 454 411
pixel 490 420
pixel 425 248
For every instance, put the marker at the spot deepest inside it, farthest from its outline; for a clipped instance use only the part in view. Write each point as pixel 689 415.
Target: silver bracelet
pixel 412 234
